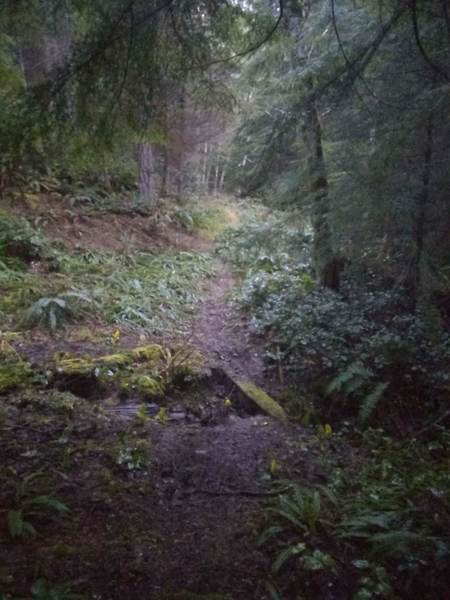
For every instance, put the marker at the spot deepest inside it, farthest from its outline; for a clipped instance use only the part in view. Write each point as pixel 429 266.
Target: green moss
pixel 262 400
pixel 186 364
pixel 213 220
pixel 137 370
pixel 72 365
pixel 86 334
pixel 153 352
pixel 118 359
pixel 148 386
pixel 75 365
pixel 14 375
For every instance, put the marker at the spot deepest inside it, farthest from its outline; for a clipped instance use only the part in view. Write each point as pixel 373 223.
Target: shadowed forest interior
pixel 224 299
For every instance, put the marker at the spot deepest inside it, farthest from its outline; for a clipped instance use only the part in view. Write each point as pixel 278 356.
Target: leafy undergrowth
pixel 372 520
pixel 355 353
pixel 152 290
pixel 366 514
pixel 360 513
pixel 70 477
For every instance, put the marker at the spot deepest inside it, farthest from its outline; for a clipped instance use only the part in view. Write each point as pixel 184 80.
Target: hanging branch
pixel 110 39
pixel 421 47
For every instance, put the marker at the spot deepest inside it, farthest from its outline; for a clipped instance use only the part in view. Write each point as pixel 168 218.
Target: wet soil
pixel 211 485
pixel 212 476
pixel 222 333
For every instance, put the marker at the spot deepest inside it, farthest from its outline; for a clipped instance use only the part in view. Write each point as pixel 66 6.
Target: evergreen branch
pixel 420 45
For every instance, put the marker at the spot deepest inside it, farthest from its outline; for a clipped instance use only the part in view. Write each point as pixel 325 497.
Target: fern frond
pixel 369 403
pixel 354 371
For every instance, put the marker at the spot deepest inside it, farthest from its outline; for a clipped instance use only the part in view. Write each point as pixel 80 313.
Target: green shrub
pixel 19 241
pixel 320 335
pixel 54 313
pixel 378 527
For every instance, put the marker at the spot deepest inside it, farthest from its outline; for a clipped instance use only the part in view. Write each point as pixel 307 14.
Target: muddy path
pixel 213 476
pixel 212 484
pixel 221 332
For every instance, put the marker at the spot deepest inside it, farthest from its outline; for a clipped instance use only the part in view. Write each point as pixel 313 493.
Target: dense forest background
pixel 308 138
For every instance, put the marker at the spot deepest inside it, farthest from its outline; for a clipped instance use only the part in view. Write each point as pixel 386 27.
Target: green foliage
pixel 386 510
pixel 357 382
pixel 362 341
pixel 44 590
pixel 208 217
pixel 267 241
pixel 132 453
pixel 14 374
pixel 19 241
pixel 17 525
pixel 153 291
pixel 301 508
pixel 54 313
pixel 30 505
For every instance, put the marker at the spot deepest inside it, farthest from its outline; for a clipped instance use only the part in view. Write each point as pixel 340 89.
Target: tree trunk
pixel 205 165
pixel 180 178
pixel 46 44
pixel 165 171
pixel 326 264
pixel 146 174
pixel 222 178
pixel 216 180
pixel 418 275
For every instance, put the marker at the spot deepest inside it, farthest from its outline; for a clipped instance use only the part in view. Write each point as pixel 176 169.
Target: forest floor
pixel 164 506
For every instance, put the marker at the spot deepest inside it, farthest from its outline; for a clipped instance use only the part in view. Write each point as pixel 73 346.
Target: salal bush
pixel 361 345
pixel 269 246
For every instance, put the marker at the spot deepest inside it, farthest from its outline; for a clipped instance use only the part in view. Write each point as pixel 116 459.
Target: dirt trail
pixel 222 333
pixel 212 479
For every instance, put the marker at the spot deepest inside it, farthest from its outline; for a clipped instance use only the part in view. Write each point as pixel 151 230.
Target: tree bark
pixel 222 178
pixel 146 166
pixel 326 264
pixel 216 180
pixel 165 171
pixel 418 277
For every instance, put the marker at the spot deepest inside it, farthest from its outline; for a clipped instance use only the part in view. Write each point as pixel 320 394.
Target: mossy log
pixel 249 397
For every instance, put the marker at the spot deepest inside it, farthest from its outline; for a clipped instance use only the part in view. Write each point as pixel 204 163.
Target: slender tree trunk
pixel 326 265
pixel 205 165
pixel 165 171
pixel 208 178
pixel 146 165
pixel 222 178
pixel 418 275
pixel 216 180
pixel 180 180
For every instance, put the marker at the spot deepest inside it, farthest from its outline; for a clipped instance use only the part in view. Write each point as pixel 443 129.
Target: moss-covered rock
pixel 14 375
pixel 140 370
pixel 74 365
pixel 262 400
pixel 114 360
pixel 147 386
pixel 82 365
pixel 152 352
pixel 186 365
pixel 145 370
